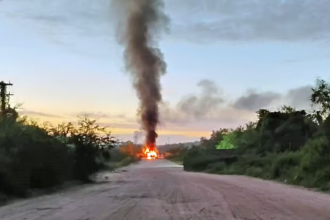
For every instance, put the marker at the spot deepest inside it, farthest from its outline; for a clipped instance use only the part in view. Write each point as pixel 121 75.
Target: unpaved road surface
pixel 160 190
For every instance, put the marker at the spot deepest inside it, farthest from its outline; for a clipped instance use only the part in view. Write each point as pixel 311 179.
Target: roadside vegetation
pixel 124 155
pixel 176 154
pixel 287 145
pixel 34 156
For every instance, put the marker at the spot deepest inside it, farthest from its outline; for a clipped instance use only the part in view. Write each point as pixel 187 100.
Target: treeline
pixel 289 145
pixel 174 146
pixel 177 152
pixel 34 156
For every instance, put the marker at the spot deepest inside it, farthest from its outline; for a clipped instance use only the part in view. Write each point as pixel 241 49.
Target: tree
pixel 91 143
pixel 321 96
pixel 215 138
pixel 287 109
pixel 228 141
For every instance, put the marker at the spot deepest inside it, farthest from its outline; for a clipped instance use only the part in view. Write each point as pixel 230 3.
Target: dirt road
pixel 160 190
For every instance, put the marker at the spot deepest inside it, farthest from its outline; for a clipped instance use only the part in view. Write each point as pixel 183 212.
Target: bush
pixel 198 159
pixel 32 157
pixel 315 166
pixel 286 166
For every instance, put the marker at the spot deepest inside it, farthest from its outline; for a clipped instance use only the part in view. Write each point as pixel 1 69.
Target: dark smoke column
pixel 144 61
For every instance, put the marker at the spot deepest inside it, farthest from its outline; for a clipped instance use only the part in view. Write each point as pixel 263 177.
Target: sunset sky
pixel 226 59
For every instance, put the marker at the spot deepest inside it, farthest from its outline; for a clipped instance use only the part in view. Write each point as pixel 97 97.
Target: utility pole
pixel 4 96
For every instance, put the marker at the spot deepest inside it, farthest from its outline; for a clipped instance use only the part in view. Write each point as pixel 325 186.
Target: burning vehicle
pixel 150 152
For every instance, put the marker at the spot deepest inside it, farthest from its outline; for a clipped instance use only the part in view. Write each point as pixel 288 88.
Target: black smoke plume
pixel 139 31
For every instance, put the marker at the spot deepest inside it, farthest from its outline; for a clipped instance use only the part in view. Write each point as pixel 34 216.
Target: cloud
pixel 211 108
pixel 193 106
pixel 300 97
pixel 254 100
pixel 39 114
pixel 99 115
pixel 62 21
pixel 209 100
pixel 252 20
pixel 111 120
pixel 60 12
pixel 103 119
pixel 202 110
pixel 194 20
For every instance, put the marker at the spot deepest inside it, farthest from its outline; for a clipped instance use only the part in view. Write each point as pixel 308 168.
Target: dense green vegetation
pixel 36 156
pixel 288 145
pixel 227 141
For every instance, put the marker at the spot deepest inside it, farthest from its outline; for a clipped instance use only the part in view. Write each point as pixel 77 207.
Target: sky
pixel 225 60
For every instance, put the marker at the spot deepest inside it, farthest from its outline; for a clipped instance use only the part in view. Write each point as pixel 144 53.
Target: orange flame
pixel 150 152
